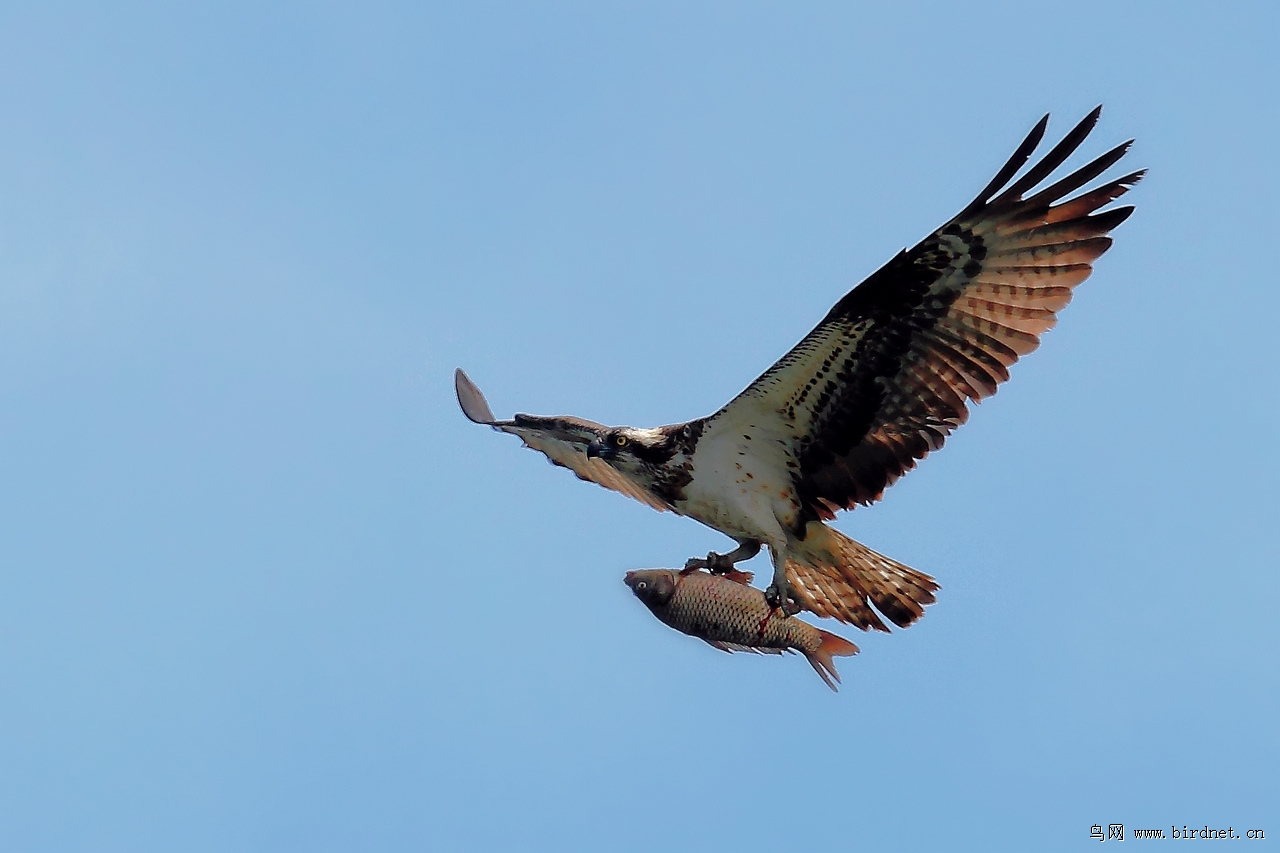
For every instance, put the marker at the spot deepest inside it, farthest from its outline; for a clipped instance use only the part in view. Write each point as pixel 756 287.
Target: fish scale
pixel 730 614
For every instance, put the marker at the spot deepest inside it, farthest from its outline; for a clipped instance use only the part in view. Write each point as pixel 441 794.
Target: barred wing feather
pixel 888 373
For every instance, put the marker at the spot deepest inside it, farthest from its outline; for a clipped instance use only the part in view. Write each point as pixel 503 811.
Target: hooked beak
pixel 595 448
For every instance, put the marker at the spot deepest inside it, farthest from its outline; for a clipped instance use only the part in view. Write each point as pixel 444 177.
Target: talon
pixel 782 599
pixel 719 563
pixel 715 563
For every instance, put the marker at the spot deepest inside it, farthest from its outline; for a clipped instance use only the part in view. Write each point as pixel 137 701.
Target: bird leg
pixel 719 564
pixel 779 594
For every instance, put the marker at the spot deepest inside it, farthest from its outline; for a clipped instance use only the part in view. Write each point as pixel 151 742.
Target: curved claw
pixel 720 563
pixel 783 599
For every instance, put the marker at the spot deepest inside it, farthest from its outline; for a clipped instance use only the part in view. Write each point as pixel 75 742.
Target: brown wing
pixel 887 375
pixel 563 440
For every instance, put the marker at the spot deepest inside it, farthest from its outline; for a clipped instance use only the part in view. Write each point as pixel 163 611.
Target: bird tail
pixel 821 658
pixel 841 578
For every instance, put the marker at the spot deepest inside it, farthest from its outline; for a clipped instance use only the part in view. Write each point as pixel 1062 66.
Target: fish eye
pixel 642 586
pixel 619 441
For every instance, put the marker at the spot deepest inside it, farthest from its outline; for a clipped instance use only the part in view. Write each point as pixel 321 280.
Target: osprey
pixel 879 383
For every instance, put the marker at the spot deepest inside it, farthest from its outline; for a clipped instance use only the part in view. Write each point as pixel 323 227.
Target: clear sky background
pixel 262 587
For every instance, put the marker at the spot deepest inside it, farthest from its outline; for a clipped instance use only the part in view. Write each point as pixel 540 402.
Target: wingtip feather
pixel 1010 168
pixel 1051 161
pixel 472 401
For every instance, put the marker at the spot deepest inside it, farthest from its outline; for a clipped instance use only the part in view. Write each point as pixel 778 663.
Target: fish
pixel 730 614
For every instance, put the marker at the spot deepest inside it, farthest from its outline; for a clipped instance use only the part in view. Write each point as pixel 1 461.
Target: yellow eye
pixel 619 441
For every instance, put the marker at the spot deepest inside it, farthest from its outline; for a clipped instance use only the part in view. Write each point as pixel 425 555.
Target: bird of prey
pixel 879 383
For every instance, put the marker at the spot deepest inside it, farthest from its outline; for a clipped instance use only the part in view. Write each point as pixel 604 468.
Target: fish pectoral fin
pixel 716 644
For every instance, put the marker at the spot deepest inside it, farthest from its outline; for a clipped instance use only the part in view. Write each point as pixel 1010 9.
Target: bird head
pixel 631 450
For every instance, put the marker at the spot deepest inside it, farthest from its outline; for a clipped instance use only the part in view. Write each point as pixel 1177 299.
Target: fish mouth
pixel 629 578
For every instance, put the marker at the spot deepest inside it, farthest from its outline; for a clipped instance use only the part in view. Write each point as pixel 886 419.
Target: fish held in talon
pixel 725 611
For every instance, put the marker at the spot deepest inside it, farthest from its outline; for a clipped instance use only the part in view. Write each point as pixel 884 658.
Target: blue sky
pixel 262 587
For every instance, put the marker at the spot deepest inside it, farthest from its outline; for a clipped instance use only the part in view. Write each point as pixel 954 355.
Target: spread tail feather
pixel 843 578
pixel 821 658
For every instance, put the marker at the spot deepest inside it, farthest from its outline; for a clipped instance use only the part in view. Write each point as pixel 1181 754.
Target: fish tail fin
pixel 844 577
pixel 821 658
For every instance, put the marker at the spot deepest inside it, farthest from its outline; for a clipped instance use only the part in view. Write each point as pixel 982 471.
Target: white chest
pixel 741 484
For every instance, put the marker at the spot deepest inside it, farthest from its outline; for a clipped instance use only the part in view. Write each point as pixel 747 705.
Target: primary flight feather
pixel 879 383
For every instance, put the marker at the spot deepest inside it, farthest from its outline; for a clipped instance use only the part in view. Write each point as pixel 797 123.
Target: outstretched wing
pixel 888 373
pixel 563 440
